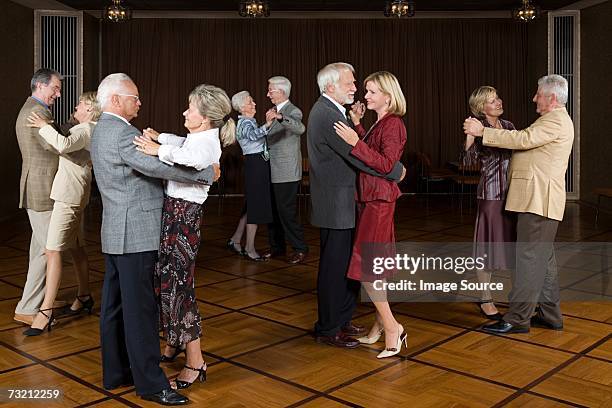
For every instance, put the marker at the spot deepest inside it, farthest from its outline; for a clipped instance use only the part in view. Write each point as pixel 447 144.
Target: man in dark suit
pixel 332 191
pixel 132 197
pixel 285 148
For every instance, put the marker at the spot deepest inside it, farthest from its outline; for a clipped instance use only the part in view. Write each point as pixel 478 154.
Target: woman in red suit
pixel 379 148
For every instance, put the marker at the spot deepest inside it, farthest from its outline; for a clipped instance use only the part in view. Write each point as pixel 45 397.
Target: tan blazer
pixel 538 164
pixel 72 183
pixel 40 161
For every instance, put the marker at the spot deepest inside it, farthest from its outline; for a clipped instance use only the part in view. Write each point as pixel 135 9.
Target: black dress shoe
pixel 167 397
pixel 353 330
pixel 339 340
pixel 503 327
pixel 540 322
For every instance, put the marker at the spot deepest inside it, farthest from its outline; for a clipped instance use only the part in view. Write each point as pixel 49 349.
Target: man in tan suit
pixel 38 169
pixel 537 194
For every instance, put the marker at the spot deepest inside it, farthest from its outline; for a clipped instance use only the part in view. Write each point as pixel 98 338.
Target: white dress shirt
pixel 197 150
pixel 340 107
pixel 281 105
pixel 117 116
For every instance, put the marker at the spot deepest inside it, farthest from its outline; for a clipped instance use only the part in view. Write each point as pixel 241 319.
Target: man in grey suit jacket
pixel 132 196
pixel 332 191
pixel 38 170
pixel 285 149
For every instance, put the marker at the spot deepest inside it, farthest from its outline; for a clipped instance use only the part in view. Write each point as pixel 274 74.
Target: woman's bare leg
pixel 52 283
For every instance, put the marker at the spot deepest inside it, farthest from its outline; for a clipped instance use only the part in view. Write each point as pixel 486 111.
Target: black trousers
pixel 336 294
pixel 129 322
pixel 535 282
pixel 285 224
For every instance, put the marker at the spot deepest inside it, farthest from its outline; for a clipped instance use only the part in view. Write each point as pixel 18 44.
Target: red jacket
pixel 379 148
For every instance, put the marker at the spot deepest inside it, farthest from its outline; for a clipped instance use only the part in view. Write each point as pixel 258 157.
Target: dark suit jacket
pixel 332 169
pixel 381 149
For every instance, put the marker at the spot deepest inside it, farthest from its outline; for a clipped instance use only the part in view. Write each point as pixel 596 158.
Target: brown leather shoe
pixel 271 254
pixel 296 258
pixel 351 329
pixel 24 318
pixel 339 340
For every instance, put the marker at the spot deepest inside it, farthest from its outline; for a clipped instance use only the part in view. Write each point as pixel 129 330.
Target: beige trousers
pixel 34 289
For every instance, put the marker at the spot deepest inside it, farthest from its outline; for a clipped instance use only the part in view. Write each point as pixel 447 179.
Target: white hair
pixel 111 85
pixel 281 83
pixel 330 74
pixel 554 84
pixel 239 99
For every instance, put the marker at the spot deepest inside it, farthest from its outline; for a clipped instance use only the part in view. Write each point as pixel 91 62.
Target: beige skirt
pixel 65 229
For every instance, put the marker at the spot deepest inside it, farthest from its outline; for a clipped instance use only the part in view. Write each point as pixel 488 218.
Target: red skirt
pixel 374 237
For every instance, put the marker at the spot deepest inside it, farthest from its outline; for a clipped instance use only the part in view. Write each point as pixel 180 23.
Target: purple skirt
pixel 495 234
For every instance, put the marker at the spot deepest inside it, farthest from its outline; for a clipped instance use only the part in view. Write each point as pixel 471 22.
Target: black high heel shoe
pixel 37 332
pixel 181 385
pixel 257 258
pixel 87 303
pixel 165 359
pixel 231 245
pixel 496 316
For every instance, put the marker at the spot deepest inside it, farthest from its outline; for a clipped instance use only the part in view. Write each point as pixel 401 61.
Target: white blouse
pixel 197 150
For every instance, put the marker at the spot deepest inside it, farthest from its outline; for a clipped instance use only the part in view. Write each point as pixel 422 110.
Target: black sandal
pixel 181 385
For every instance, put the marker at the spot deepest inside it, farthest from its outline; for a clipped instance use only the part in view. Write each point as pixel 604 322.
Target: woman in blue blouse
pixel 258 205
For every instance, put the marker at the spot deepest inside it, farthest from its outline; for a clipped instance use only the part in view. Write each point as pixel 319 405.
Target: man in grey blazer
pixel 132 195
pixel 332 191
pixel 38 170
pixel 285 149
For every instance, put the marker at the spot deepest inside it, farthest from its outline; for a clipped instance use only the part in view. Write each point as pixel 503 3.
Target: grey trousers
pixel 34 288
pixel 535 281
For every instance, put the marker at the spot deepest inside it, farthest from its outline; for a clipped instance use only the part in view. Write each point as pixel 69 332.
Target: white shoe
pixel 371 340
pixel 389 352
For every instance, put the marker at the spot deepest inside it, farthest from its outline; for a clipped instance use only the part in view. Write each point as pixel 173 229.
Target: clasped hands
pixel 473 127
pixel 147 144
pixel 345 132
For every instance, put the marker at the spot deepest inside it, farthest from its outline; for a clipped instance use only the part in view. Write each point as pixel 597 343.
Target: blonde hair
pixel 389 85
pixel 213 103
pixel 90 99
pixel 478 99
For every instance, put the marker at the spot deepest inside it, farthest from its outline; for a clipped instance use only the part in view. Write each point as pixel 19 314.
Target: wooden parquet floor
pixel 258 343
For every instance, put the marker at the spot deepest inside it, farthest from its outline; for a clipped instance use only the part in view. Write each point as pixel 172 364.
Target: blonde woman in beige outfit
pixel 70 192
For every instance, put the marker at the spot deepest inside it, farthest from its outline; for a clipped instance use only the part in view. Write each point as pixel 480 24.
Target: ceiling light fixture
pixel 254 8
pixel 400 8
pixel 116 12
pixel 527 12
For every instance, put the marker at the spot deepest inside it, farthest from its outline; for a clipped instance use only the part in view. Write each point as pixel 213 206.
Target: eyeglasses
pixel 133 96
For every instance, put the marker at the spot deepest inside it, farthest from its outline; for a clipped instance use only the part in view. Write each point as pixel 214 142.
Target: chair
pixel 428 174
pixel 469 176
pixel 601 192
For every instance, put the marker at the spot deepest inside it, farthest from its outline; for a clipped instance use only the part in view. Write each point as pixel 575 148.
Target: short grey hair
pixel 281 83
pixel 239 99
pixel 330 74
pixel 44 76
pixel 111 85
pixel 554 84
